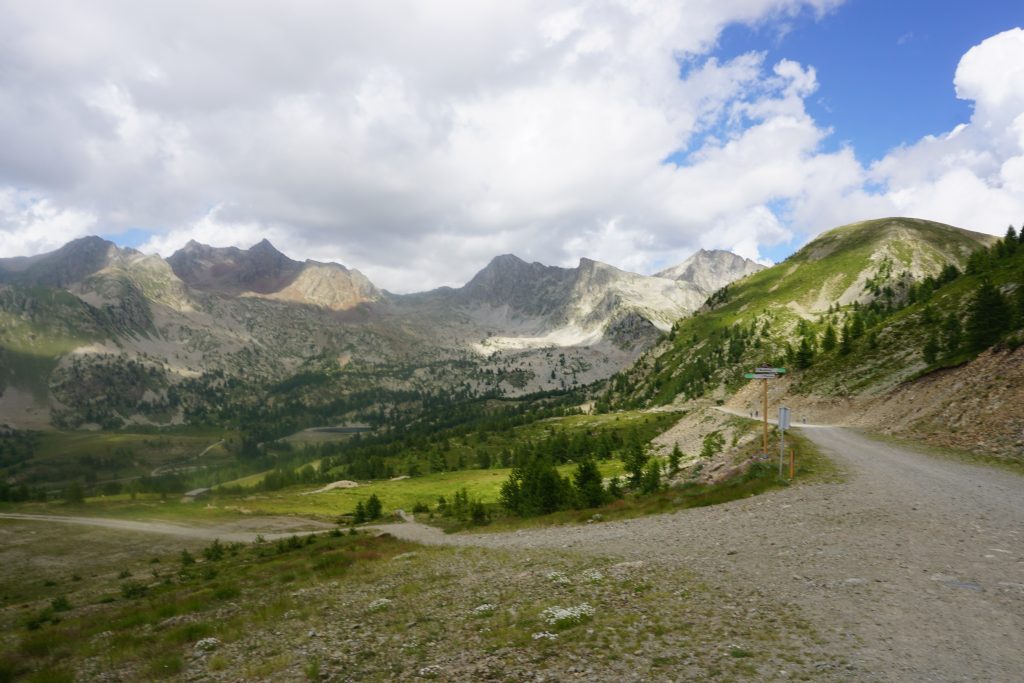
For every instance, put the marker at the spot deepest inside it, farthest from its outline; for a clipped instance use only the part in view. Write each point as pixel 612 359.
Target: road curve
pixel 914 564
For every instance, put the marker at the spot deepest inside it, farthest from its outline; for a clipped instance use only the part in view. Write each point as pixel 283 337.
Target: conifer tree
pixel 846 343
pixel 804 355
pixel 587 478
pixel 674 459
pixel 988 317
pixel 634 460
pixel 359 516
pixel 373 507
pixel 857 325
pixel 652 476
pixel 828 342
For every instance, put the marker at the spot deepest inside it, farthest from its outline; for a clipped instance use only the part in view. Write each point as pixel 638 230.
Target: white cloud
pixel 31 224
pixel 416 141
pixel 972 176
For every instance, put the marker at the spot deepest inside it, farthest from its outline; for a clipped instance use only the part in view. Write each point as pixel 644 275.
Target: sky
pixel 415 140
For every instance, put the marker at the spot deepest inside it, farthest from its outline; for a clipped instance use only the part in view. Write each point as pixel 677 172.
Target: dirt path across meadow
pixel 914 565
pixel 242 531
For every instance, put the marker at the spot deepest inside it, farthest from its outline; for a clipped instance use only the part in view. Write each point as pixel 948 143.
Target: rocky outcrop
pixel 711 270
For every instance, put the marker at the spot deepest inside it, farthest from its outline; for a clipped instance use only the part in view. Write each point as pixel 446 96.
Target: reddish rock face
pixel 261 269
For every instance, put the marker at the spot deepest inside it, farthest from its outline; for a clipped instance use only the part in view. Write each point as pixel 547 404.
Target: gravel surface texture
pixel 913 566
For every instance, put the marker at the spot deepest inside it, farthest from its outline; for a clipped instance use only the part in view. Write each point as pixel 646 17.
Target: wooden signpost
pixel 765 373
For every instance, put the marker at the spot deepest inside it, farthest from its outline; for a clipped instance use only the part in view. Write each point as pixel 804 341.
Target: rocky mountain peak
pixel 72 263
pixel 230 270
pixel 710 270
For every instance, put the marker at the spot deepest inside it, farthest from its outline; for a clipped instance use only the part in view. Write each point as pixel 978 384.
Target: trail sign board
pixel 765 372
pixel 783 417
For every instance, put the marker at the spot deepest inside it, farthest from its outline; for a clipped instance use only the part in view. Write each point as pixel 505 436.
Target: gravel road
pixel 914 565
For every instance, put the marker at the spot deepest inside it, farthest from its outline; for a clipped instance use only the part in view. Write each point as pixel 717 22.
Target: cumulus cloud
pixel 31 224
pixel 972 175
pixel 415 141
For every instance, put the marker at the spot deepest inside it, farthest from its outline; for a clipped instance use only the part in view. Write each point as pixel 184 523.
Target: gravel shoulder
pixel 914 566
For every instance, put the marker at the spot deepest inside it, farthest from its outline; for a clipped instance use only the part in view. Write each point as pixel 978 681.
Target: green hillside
pixel 849 312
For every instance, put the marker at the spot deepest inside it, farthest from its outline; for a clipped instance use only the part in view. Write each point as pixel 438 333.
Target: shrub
pixel 477 513
pixel 133 589
pixel 712 444
pixel 214 551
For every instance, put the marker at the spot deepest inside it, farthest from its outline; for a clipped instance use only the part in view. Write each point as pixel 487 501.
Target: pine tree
pixel 829 341
pixel 587 479
pixel 373 507
pixel 805 354
pixel 652 476
pixel 674 459
pixel 846 343
pixel 1011 240
pixel 857 325
pixel 359 516
pixel 634 460
pixel 511 494
pixel 988 317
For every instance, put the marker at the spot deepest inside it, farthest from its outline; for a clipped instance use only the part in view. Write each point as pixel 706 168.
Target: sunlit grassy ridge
pixel 760 318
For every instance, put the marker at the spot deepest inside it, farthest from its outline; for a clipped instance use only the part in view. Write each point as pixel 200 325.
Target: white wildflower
pixel 558 577
pixel 207 645
pixel 544 635
pixel 592 575
pixel 483 609
pixel 563 617
pixel 379 604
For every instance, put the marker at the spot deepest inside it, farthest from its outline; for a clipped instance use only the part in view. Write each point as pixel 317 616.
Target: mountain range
pixel 95 334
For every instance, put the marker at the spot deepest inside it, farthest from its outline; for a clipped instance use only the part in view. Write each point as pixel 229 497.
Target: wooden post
pixel 792 463
pixel 765 383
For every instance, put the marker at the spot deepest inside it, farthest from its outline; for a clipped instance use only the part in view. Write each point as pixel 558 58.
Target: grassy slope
pixel 37 327
pixel 62 456
pixel 789 291
pixel 648 425
pixel 402 494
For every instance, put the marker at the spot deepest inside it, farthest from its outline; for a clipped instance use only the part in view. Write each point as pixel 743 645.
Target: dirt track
pixel 914 565
pixel 244 531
